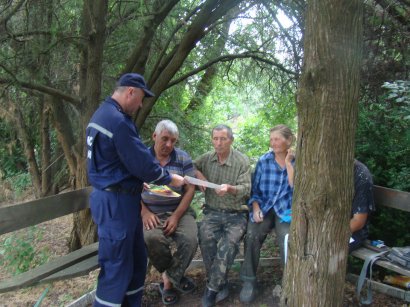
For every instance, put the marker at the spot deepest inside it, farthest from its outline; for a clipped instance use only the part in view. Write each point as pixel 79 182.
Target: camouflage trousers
pixel 256 234
pixel 166 258
pixel 219 236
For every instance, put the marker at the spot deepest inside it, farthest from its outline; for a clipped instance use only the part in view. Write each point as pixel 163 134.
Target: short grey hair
pixel 167 125
pixel 224 127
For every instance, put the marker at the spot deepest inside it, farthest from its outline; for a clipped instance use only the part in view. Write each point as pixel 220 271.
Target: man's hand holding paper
pixel 203 183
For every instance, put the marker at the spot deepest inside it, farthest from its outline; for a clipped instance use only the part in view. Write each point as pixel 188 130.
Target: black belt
pixel 119 189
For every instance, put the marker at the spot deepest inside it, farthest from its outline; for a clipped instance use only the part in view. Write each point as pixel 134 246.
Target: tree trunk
pixel 45 149
pixel 17 117
pixel 84 231
pixel 327 109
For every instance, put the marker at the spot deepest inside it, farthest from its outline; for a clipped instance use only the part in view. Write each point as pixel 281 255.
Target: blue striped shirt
pixel 179 163
pixel 270 187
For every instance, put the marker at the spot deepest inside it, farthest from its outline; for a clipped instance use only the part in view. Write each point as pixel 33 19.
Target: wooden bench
pixel 84 260
pixel 23 215
pixel 391 199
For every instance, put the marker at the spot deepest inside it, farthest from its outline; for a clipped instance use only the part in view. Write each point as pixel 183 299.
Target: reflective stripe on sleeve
pixel 101 129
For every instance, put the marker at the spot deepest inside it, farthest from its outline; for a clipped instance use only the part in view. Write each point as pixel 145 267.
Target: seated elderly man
pixel 170 219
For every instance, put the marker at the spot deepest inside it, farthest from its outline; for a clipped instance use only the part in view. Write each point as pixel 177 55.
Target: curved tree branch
pixel 231 57
pixel 139 56
pixel 164 59
pixel 195 33
pixel 399 12
pixel 74 100
pixel 12 12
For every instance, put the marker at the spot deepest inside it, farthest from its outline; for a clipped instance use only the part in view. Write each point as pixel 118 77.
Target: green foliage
pixel 19 183
pixel 17 251
pixel 197 204
pixel 383 136
pixel 383 144
pixel 12 160
pixel 391 225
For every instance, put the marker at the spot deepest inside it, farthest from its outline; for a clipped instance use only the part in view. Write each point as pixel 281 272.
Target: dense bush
pixel 383 144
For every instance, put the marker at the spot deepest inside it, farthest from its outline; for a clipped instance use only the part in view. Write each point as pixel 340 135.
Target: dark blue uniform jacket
pixel 115 154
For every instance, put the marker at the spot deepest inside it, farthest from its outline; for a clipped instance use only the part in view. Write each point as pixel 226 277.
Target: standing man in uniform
pixel 170 220
pixel 118 163
pixel 225 211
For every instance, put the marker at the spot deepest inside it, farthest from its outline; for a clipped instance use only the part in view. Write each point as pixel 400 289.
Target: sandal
pixel 186 285
pixel 169 296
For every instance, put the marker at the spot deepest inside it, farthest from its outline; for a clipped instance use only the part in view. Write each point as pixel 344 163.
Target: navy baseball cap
pixel 135 80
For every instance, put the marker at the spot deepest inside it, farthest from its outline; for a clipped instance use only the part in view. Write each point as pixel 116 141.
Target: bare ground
pixel 54 238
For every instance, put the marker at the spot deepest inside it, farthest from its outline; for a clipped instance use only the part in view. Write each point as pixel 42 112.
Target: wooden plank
pixel 85 300
pixel 33 276
pixel 391 198
pixel 30 213
pixel 79 269
pixel 363 253
pixel 383 288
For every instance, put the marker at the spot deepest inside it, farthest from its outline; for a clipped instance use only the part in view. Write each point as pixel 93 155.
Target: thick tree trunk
pixel 95 13
pixel 327 110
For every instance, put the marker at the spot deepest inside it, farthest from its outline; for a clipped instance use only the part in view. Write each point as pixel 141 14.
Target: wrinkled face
pixel 278 142
pixel 134 97
pixel 222 143
pixel 164 143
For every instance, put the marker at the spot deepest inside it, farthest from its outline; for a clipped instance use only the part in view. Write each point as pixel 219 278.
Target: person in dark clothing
pixel 362 206
pixel 118 164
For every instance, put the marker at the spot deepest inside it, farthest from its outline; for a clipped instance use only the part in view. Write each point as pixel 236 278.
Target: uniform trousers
pixel 121 253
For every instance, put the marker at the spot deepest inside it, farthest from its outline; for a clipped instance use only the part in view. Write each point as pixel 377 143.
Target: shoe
pixel 222 294
pixel 169 296
pixel 208 300
pixel 248 292
pixel 186 285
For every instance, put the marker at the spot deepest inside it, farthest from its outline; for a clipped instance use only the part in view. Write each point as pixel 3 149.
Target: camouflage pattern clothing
pixel 225 217
pixel 159 247
pixel 219 236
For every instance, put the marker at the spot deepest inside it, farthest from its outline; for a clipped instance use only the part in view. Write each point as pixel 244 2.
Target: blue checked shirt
pixel 270 187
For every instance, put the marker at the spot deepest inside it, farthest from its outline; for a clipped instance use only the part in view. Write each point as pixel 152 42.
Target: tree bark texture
pixel 84 231
pixel 17 117
pixel 327 109
pixel 45 149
